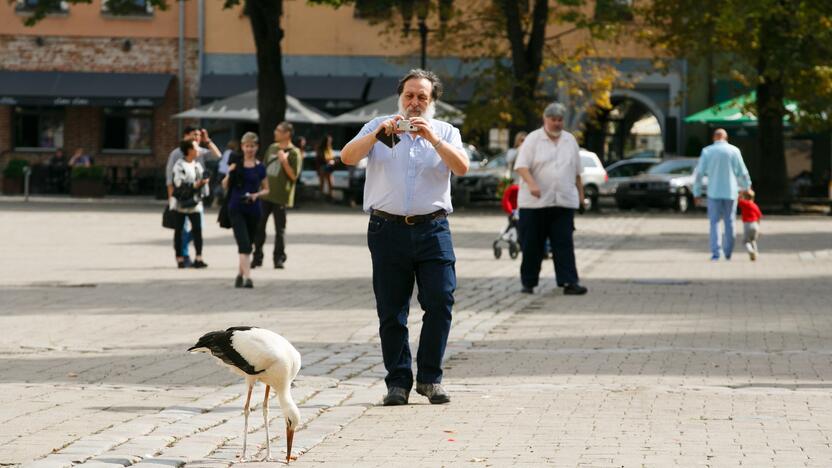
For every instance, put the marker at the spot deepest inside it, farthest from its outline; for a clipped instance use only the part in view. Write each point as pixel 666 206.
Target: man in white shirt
pixel 549 165
pixel 411 157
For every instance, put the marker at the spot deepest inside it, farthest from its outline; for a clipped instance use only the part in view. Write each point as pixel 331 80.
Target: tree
pixel 264 16
pixel 781 48
pixel 520 60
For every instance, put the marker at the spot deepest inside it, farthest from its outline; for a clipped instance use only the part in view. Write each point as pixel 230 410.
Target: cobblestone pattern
pixel 670 361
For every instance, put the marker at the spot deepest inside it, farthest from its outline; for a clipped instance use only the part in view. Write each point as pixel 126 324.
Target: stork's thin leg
pixel 245 412
pixel 266 424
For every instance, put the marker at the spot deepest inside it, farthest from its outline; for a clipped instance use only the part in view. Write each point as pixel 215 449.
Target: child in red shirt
pixel 751 215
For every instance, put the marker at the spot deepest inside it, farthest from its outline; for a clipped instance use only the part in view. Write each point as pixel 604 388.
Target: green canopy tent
pixel 734 112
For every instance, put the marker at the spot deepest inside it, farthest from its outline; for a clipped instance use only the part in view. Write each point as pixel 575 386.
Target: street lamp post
pixel 423 34
pixel 422 8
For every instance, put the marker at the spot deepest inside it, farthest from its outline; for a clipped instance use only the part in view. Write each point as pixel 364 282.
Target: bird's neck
pixel 287 404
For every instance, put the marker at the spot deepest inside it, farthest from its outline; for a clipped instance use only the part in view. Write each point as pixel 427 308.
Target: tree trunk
pixel 770 111
pixel 271 87
pixel 527 60
pixel 773 185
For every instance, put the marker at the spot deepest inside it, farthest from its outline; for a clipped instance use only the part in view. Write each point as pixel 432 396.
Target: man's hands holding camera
pixel 415 125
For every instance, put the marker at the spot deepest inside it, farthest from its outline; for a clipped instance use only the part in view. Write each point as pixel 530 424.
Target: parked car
pixel 481 181
pixel 623 171
pixel 667 184
pixel 309 183
pixel 593 176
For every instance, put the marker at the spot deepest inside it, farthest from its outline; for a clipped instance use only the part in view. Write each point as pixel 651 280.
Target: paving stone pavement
pixel 671 360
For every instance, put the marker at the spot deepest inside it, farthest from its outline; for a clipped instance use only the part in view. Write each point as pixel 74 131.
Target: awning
pixel 82 89
pixel 319 88
pixel 244 107
pixel 733 112
pixel 389 106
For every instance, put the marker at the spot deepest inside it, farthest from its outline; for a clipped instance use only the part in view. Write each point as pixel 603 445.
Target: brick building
pixel 86 78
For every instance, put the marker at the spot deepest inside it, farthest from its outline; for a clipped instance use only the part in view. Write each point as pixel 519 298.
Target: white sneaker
pixel 751 252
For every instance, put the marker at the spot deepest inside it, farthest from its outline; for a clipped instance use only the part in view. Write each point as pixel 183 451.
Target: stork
pixel 258 354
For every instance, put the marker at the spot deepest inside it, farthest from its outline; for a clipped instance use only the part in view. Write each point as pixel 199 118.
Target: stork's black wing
pixel 219 342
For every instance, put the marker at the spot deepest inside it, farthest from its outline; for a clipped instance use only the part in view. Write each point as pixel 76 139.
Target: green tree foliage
pixel 781 48
pixel 522 42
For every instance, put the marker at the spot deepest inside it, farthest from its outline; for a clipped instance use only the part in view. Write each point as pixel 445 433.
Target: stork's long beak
pixel 290 434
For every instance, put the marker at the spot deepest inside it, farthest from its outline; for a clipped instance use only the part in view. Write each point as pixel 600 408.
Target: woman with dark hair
pixel 245 182
pixel 325 164
pixel 190 186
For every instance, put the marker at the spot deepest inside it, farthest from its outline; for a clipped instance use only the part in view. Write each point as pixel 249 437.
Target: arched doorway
pixel 633 127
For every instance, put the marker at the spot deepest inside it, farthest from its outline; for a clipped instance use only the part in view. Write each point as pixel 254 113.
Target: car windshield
pixel 498 161
pixel 473 154
pixel 588 161
pixel 674 166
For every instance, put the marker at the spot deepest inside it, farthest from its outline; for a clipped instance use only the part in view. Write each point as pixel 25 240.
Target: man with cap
pixel 551 189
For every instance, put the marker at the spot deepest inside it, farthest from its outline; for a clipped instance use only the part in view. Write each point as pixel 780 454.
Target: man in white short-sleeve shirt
pixel 410 159
pixel 551 189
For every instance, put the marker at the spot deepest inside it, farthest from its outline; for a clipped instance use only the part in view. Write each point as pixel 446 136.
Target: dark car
pixel 622 172
pixel 667 184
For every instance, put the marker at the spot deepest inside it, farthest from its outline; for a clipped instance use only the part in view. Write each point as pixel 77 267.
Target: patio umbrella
pixel 733 111
pixel 389 106
pixel 244 107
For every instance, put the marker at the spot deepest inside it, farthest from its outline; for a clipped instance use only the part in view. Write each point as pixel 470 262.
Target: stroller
pixel 509 234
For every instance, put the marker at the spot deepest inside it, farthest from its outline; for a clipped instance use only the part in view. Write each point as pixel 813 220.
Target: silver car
pixel 623 171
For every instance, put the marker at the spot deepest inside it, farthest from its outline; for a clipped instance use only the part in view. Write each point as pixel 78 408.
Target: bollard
pixel 27 172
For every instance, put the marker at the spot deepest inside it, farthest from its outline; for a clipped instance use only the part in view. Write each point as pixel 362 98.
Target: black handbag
pixel 169 218
pixel 186 196
pixel 224 218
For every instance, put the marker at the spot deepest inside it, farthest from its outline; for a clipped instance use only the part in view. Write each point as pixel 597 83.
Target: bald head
pixel 720 135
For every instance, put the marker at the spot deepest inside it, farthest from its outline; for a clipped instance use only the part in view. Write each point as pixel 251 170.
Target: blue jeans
pixel 401 254
pixel 536 226
pixel 725 210
pixel 186 233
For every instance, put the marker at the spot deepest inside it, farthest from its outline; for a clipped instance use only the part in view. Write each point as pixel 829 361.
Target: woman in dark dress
pixel 245 183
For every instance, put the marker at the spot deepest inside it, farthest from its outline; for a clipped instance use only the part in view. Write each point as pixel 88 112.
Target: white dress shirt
pixel 410 178
pixel 554 167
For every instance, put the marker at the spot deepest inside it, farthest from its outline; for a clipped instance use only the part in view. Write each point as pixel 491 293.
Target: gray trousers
pixel 750 233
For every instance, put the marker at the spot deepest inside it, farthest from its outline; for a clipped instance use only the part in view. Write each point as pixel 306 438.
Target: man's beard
pixel 427 114
pixel 553 134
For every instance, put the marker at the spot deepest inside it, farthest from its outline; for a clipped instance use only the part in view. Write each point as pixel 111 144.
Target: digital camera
pixel 404 125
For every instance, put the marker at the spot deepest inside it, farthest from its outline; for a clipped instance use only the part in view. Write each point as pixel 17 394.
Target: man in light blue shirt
pixel 722 164
pixel 408 195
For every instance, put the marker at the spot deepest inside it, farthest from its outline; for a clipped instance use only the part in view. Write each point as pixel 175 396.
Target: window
pixel 51 7
pixel 588 161
pixel 38 127
pixel 127 129
pixel 127 7
pixel 613 10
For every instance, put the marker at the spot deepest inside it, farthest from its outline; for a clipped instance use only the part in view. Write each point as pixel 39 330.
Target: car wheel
pixel 590 198
pixel 683 202
pixel 461 196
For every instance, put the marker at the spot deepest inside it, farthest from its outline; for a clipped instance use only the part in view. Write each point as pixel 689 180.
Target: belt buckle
pixel 407 220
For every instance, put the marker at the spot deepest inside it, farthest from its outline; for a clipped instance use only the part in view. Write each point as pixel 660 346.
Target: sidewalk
pixel 671 360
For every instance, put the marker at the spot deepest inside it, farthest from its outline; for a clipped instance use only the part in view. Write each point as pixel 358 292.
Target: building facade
pixel 84 77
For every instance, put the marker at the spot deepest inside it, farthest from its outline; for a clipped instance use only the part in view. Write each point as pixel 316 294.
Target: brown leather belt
pixel 412 219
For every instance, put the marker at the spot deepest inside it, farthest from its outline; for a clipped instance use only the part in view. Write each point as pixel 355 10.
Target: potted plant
pixel 13 176
pixel 87 181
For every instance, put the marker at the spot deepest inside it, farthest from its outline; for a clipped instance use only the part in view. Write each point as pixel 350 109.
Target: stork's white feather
pixel 266 350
